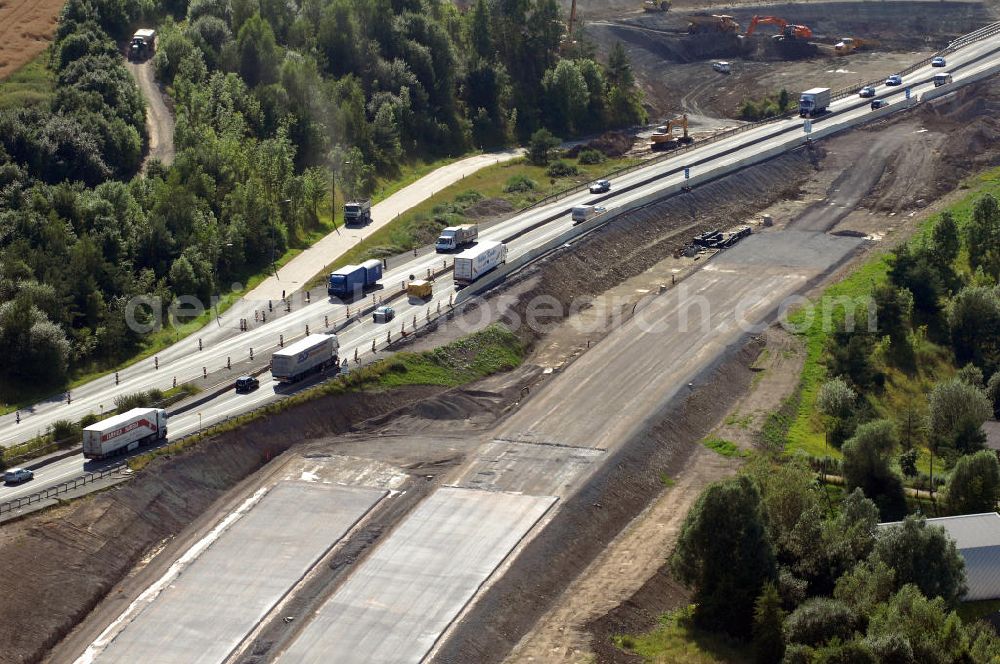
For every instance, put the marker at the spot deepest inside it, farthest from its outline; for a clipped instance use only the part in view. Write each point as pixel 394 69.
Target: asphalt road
pixel 201 611
pixel 222 341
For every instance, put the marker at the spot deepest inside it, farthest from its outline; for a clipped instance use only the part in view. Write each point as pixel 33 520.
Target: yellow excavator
pixel 663 136
pixel 848 45
pixel 655 5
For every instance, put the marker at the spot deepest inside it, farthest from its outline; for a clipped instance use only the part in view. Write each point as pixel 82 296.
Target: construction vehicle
pixel 569 40
pixel 142 44
pixel 848 45
pixel 419 288
pixel 655 5
pixel 663 136
pixel 788 30
pixel 712 23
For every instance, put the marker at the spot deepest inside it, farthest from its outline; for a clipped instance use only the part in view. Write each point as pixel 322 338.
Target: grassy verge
pixel 805 433
pixel 476 356
pixel 31 85
pixel 422 223
pixel 677 640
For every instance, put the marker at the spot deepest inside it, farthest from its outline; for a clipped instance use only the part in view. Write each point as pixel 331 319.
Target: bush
pixel 590 157
pixel 64 430
pixel 819 620
pixel 561 169
pixel 519 183
pixel 469 197
pixel 138 400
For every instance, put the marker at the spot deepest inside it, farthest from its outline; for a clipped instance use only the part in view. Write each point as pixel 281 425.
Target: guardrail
pixel 54 491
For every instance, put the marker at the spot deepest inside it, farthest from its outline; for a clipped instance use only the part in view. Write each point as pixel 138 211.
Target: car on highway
pixel 18 475
pixel 939 62
pixel 247 384
pixel 600 187
pixel 879 103
pixel 867 91
pixel 383 314
pixel 895 79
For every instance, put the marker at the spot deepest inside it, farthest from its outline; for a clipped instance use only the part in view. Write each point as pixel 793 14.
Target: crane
pixel 788 30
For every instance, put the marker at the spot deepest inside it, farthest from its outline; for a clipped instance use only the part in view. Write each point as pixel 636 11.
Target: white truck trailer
pixel 814 102
pixel 453 237
pixel 125 432
pixel 477 261
pixel 310 355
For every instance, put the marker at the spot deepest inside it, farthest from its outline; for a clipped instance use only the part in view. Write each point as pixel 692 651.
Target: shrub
pixel 819 620
pixel 519 183
pixel 590 156
pixel 138 400
pixel 561 169
pixel 64 430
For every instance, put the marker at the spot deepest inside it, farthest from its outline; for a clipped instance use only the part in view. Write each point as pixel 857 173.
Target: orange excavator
pixel 788 30
pixel 663 137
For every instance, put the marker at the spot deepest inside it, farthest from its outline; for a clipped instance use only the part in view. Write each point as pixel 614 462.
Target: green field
pixel 31 85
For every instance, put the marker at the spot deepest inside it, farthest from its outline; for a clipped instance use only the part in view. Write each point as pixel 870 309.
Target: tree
pixel 974 485
pixel 480 34
pixel 972 375
pixel 724 555
pixel 620 73
pixel 957 413
pixel 894 306
pixel 540 150
pixel 866 467
pixel 923 624
pixel 566 96
pixel 974 322
pixel 258 52
pixel 34 352
pixel 768 620
pixel 783 100
pixel 835 402
pixel 922 555
pixel 945 242
pixel 820 620
pixel 911 422
pixel 908 463
pixel 982 236
pixel 866 586
pixel 993 392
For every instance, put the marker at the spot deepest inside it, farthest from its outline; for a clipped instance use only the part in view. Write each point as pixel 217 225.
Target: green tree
pixel 895 306
pixel 993 392
pixel 974 321
pixel 908 463
pixel 945 242
pixel 957 413
pixel 480 33
pixel 922 555
pixel 974 485
pixel 982 236
pixel 866 585
pixel 34 352
pixel 620 74
pixel 540 149
pixel 866 467
pixel 836 402
pixel 768 621
pixel 258 52
pixel 724 555
pixel 820 620
pixel 783 100
pixel 566 96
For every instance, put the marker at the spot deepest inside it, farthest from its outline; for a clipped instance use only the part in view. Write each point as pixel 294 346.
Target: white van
pixel 722 67
pixel 944 78
pixel 582 213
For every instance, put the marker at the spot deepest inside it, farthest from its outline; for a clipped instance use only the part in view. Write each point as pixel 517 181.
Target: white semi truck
pixel 814 102
pixel 454 237
pixel 477 261
pixel 125 432
pixel 310 355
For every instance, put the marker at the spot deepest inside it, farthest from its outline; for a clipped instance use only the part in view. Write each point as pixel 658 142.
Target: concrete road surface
pixel 395 606
pixel 298 271
pixel 219 597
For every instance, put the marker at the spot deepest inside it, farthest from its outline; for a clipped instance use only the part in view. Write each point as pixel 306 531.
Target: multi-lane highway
pixel 523 232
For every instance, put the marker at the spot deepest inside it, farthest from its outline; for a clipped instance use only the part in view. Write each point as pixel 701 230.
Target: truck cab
pixel 358 212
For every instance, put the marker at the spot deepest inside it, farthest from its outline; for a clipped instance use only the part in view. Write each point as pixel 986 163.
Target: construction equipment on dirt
pixel 569 40
pixel 788 30
pixel 663 136
pixel 848 45
pixel 655 5
pixel 712 23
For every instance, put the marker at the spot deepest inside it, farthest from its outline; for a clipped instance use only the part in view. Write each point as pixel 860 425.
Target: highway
pixel 523 232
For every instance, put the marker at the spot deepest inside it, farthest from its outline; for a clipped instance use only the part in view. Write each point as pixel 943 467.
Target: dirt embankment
pixel 26 29
pixel 71 557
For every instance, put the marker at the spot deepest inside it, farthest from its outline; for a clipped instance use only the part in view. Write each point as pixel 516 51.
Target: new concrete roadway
pixel 523 232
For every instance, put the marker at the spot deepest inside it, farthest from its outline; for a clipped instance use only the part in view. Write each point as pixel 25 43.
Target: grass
pixel 667 481
pixel 31 85
pixel 677 640
pixel 805 432
pixel 724 447
pixel 422 223
pixel 478 355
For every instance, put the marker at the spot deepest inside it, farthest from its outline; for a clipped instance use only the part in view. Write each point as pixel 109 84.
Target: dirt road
pixel 26 29
pixel 159 119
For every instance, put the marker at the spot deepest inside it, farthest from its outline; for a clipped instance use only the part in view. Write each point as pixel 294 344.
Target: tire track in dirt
pixel 159 119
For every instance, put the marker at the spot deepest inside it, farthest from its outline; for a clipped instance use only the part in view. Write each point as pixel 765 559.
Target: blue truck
pixel 351 281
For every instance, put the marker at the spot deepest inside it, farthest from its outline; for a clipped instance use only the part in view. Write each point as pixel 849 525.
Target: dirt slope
pixel 26 29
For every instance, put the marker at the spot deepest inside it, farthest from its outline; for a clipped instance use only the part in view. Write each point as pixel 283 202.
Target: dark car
pixel 938 62
pixel 879 103
pixel 895 79
pixel 247 384
pixel 867 91
pixel 600 187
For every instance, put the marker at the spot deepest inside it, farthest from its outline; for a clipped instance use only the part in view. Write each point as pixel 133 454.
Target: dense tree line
pixel 270 97
pixel 772 560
